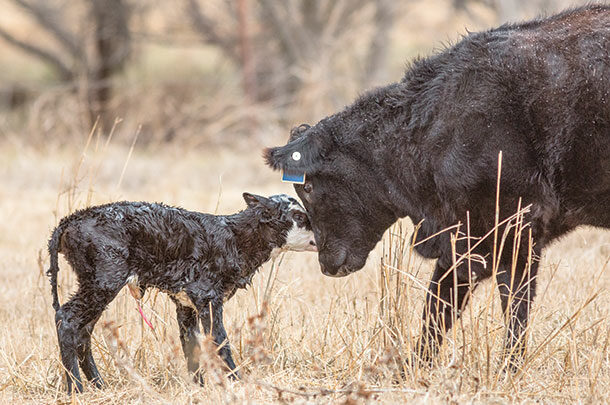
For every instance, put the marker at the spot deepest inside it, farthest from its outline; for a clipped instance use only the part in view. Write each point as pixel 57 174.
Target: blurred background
pixel 216 72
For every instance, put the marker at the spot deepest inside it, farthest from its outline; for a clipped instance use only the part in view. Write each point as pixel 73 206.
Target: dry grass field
pixel 297 335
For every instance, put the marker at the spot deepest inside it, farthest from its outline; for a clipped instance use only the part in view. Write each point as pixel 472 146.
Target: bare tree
pixel 290 36
pixel 384 20
pixel 245 47
pixel 94 56
pixel 49 19
pixel 112 47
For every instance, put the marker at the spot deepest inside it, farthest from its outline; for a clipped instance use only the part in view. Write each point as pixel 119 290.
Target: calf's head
pixel 283 220
pixel 341 193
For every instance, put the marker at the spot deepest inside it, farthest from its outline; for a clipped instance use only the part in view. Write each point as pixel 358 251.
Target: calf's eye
pixel 298 217
pixel 308 188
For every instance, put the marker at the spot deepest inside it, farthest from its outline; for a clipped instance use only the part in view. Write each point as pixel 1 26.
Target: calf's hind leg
pixel 71 320
pixel 85 357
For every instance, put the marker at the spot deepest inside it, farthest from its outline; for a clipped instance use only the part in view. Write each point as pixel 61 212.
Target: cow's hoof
pixel 511 364
pixel 76 387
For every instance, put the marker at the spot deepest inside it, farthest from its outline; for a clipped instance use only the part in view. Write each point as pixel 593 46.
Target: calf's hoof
pixel 234 376
pixel 98 383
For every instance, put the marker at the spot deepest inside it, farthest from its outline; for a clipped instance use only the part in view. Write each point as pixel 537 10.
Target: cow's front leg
pixel 517 290
pixel 211 320
pixel 447 294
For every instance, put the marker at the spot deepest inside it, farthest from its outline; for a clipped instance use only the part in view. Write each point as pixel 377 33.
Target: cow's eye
pixel 308 188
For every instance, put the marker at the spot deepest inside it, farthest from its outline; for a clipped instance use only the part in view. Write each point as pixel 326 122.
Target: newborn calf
pixel 200 260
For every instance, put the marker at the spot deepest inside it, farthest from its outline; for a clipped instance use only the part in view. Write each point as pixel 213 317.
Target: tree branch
pixel 378 49
pixel 310 9
pixel 45 17
pixel 347 15
pixel 280 27
pixel 332 18
pixel 208 30
pixel 64 71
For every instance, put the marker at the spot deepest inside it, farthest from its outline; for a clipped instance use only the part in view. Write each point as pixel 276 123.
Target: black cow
pixel 427 147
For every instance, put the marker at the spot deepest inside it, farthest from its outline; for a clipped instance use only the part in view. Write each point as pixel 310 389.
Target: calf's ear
pixel 258 201
pixel 253 200
pixel 302 154
pixel 267 208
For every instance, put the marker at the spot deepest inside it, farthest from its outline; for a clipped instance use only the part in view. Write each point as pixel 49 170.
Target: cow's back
pixel 564 67
pixel 539 92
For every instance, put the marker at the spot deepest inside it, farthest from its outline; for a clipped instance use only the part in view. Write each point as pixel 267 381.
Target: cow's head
pixel 342 195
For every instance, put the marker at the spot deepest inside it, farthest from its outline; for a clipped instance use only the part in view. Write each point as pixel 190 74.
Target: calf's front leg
pixel 188 324
pixel 211 319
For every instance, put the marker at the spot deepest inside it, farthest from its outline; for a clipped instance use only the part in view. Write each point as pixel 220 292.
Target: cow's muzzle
pixel 341 271
pixel 332 261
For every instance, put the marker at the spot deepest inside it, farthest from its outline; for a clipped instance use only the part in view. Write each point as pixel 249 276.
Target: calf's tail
pixel 54 266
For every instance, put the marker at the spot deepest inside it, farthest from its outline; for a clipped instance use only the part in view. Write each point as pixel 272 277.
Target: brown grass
pixel 296 334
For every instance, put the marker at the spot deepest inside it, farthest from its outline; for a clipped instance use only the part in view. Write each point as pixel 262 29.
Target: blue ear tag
pixel 294 176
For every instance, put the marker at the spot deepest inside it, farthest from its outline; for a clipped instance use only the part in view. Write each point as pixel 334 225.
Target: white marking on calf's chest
pixel 298 237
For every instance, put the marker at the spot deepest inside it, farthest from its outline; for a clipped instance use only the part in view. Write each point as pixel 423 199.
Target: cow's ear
pixel 302 154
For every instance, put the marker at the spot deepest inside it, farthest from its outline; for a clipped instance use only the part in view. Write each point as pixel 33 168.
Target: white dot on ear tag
pixel 296 156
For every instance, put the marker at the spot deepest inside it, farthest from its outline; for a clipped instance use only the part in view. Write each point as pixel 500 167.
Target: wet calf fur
pixel 200 260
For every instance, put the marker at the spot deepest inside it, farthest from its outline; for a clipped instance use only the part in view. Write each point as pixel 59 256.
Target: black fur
pixel 427 147
pixel 204 256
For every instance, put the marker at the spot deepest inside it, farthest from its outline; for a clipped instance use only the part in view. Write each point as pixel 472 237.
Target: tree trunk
pixel 112 47
pixel 378 51
pixel 245 45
